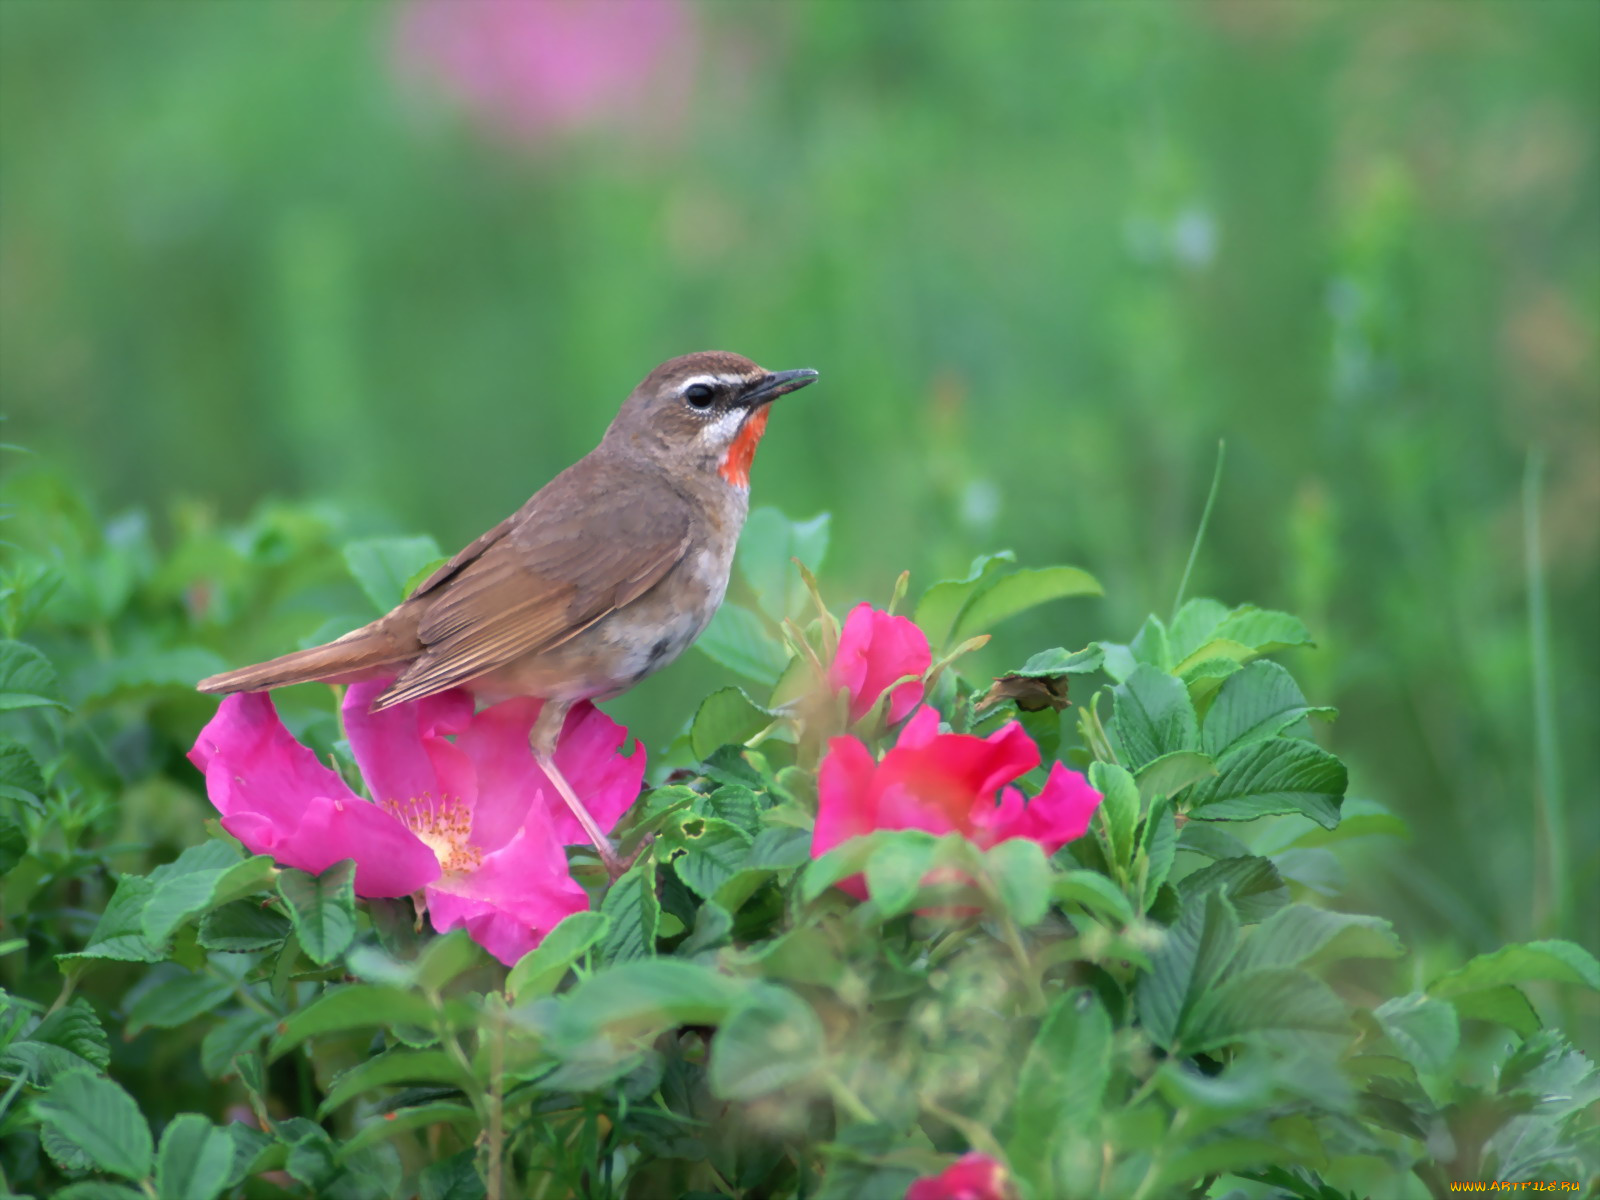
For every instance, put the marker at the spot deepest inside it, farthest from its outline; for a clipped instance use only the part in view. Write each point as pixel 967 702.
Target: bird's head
pixel 703 413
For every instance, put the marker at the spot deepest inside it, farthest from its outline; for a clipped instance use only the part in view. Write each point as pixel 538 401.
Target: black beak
pixel 777 383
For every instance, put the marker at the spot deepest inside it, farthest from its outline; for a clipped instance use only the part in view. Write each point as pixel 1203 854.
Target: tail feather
pixel 359 654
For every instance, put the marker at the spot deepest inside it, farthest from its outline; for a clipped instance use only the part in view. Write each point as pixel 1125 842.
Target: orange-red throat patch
pixel 736 467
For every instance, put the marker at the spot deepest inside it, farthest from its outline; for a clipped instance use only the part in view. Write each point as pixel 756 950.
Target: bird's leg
pixel 546 731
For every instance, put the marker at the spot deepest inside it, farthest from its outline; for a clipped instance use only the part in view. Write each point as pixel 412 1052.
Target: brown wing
pixel 544 575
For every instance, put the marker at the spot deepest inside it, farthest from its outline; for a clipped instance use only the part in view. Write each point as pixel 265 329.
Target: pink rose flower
pixel 472 822
pixel 535 69
pixel 947 783
pixel 875 649
pixel 973 1176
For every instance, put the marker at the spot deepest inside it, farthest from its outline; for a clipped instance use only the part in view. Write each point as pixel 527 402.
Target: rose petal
pixel 253 764
pixel 1059 814
pixel 875 649
pixel 401 750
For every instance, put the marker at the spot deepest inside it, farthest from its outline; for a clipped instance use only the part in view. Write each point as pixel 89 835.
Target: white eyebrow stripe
pixel 713 381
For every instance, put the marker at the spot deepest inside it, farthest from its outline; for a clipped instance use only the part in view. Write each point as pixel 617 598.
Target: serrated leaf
pixel 119 934
pixel 323 909
pixel 1117 817
pixel 445 959
pixel 238 1034
pixel 21 779
pixel 896 867
pixel 771 1042
pixel 194 1161
pixel 27 679
pixel 1426 1031
pixel 181 897
pixel 1265 778
pixel 177 1000
pixel 1159 843
pixel 541 970
pixel 354 1006
pixel 1505 1005
pixel 1016 593
pixel 419 1116
pixel 634 913
pixel 942 603
pixel 634 1001
pixel 770 541
pixel 1152 716
pixel 1218 657
pixel 1021 875
pixel 726 717
pixel 1267 1001
pixel 737 639
pixel 243 925
pixel 1095 892
pixel 384 565
pixel 1062 1082
pixel 1263 629
pixel 400 1065
pixel 1047 664
pixel 1300 933
pixel 712 856
pixel 1558 961
pixel 1252 884
pixel 1186 965
pixel 1194 625
pixel 1259 701
pixel 98 1118
pixel 77 1029
pixel 1171 773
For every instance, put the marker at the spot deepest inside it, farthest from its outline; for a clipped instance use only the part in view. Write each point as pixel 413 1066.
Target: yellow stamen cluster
pixel 443 826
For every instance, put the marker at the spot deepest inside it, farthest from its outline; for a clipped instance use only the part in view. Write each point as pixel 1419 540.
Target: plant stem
pixel 1199 534
pixel 1550 889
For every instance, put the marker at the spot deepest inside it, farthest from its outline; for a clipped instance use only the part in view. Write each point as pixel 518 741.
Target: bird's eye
pixel 698 395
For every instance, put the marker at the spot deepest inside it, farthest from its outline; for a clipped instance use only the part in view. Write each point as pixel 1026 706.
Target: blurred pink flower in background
pixel 536 69
pixel 973 1176
pixel 947 783
pixel 473 823
pixel 875 649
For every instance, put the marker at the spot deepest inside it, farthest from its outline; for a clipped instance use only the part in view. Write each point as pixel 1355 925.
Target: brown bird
pixel 606 575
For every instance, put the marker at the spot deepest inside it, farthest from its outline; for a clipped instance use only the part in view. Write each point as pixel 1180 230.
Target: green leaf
pixel 77 1029
pixel 635 1001
pixel 726 717
pixel 1300 933
pixel 1194 625
pixel 711 856
pixel 771 1042
pixel 1186 966
pixel 1505 1005
pixel 1426 1031
pixel 402 1120
pixel 1118 815
pixel 1262 629
pixel 400 1065
pixel 177 1000
pixel 1558 961
pixel 27 680
pixel 769 542
pixel 240 1033
pixel 99 1119
pixel 1219 657
pixel 1152 716
pixel 1022 877
pixel 453 1178
pixel 383 566
pixel 541 970
pixel 634 913
pixel 737 639
pixel 1260 701
pixel 195 1159
pixel 1171 773
pixel 1062 1083
pixel 1018 592
pixel 243 925
pixel 1159 844
pixel 98 1189
pixel 1252 884
pixel 1047 664
pixel 942 603
pixel 1095 892
pixel 1278 775
pixel 20 777
pixel 354 1006
pixel 1269 1001
pixel 181 897
pixel 323 909
pixel 1211 841
pixel 896 868
pixel 119 934
pixel 445 959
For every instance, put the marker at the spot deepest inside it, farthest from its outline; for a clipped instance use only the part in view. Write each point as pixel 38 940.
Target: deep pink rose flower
pixel 875 649
pixel 947 783
pixel 537 68
pixel 973 1176
pixel 472 822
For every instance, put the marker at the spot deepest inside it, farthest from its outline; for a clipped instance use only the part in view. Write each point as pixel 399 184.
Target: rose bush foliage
pixel 895 928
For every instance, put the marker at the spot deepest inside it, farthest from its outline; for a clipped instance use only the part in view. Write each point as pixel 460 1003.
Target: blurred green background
pixel 409 257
